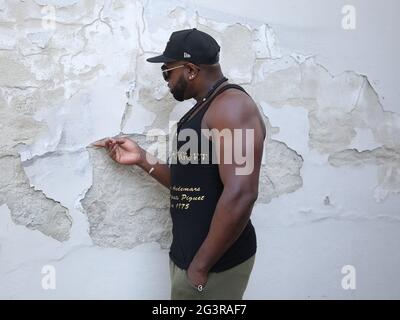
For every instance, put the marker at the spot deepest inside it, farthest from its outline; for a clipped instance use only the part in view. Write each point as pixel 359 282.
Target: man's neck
pixel 207 85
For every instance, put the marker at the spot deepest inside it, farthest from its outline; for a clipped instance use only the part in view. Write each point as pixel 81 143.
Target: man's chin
pixel 178 98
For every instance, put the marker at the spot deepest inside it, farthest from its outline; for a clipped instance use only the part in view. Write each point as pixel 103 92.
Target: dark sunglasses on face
pixel 166 72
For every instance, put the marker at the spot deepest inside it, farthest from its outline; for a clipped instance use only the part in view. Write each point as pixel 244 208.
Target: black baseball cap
pixel 190 45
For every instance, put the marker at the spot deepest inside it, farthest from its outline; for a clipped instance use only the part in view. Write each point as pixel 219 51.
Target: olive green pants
pixel 226 285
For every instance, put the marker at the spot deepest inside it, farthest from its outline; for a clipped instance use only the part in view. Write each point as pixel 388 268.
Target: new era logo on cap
pixel 186 55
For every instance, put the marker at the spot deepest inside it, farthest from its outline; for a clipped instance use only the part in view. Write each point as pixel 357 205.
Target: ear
pixel 193 71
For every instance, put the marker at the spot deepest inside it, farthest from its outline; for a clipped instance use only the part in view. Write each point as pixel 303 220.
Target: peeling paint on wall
pixel 331 153
pixel 84 85
pixel 99 98
pixel 387 160
pixel 125 206
pixel 29 207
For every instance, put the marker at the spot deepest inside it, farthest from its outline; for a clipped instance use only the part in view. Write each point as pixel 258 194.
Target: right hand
pixel 122 150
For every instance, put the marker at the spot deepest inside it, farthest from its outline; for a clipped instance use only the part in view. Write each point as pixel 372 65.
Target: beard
pixel 179 90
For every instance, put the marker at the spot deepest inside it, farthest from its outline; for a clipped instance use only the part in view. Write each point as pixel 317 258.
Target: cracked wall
pixel 331 153
pixel 125 207
pixel 97 90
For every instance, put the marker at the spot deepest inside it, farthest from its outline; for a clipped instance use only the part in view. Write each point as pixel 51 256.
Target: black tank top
pixel 195 190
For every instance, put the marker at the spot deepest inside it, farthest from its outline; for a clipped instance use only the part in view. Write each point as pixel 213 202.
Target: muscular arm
pixel 234 207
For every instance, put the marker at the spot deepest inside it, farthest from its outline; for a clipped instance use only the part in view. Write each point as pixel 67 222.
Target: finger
pixel 109 144
pixel 112 143
pixel 120 140
pixel 113 152
pixel 100 143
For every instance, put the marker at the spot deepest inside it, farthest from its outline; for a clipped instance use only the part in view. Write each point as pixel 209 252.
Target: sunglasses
pixel 166 72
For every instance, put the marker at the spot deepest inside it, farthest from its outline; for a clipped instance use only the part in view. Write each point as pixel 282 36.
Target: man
pixel 214 243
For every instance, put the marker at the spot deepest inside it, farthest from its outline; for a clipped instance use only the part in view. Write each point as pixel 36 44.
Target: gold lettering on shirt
pixel 182 196
pixel 195 156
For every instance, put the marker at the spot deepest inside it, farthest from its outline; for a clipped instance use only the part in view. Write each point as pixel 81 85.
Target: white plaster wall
pixel 330 183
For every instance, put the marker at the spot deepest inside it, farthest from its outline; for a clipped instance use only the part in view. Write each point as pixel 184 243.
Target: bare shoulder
pixel 235 109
